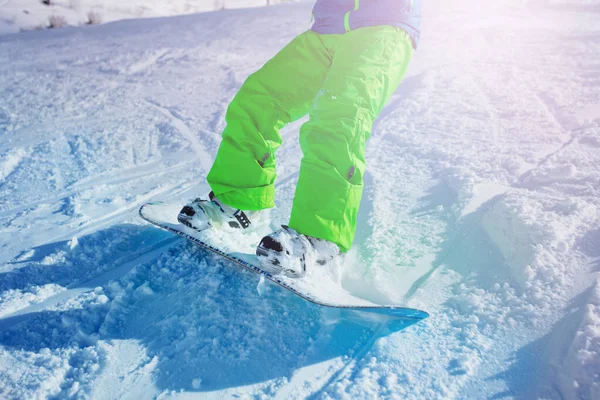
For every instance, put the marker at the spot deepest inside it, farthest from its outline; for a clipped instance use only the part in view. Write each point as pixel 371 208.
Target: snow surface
pixel 481 206
pixel 23 15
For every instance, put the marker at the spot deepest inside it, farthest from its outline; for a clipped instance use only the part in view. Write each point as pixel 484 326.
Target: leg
pixel 368 65
pixel 243 173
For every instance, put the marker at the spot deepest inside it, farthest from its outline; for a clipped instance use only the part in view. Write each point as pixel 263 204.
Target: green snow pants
pixel 342 81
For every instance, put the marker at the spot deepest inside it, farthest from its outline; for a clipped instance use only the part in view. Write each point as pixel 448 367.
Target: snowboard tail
pixel 164 216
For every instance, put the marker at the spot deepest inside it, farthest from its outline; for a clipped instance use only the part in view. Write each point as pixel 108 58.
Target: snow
pixel 481 206
pixel 23 15
pixel 10 161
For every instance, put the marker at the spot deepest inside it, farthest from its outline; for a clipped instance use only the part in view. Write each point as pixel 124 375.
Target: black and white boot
pixel 200 214
pixel 289 252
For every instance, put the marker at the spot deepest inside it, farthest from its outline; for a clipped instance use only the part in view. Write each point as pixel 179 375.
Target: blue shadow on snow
pixel 198 315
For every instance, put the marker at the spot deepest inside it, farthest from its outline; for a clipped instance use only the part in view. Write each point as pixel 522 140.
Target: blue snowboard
pixel 313 289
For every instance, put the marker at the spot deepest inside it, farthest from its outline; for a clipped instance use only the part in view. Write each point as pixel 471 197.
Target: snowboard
pixel 318 286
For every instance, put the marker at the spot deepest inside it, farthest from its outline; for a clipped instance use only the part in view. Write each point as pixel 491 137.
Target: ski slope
pixel 26 15
pixel 481 206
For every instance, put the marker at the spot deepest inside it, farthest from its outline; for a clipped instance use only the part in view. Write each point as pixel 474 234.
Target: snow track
pixel 121 267
pixel 480 206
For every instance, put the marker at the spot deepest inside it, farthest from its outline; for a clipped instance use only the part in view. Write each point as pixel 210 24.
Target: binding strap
pixel 241 217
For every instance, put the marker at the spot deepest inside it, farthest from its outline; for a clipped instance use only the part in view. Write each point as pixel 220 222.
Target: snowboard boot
pixel 202 214
pixel 290 252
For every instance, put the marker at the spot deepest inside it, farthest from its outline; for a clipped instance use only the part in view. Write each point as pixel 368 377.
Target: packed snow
pixel 481 206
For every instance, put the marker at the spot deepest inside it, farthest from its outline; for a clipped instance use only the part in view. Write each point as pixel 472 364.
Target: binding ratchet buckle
pixel 242 219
